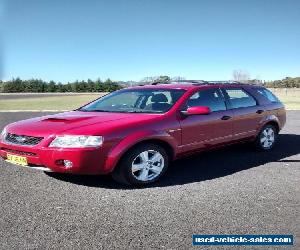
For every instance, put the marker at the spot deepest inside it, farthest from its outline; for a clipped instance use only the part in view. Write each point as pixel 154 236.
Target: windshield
pixel 136 101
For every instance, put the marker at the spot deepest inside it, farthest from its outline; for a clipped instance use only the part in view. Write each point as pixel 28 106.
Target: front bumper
pixel 85 160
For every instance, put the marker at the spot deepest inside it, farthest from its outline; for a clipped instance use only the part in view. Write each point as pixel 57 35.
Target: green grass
pixel 64 102
pixel 291 99
pixel 289 96
pixel 290 102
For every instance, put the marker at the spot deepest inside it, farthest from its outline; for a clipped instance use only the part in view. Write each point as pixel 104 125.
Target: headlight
pixel 76 141
pixel 3 133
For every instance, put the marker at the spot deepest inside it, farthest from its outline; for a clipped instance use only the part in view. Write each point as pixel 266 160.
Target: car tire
pixel 143 164
pixel 266 138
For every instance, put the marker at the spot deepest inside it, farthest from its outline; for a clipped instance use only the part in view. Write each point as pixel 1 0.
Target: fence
pixel 286 92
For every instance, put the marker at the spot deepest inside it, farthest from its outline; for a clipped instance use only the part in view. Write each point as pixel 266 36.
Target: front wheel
pixel 143 164
pixel 267 138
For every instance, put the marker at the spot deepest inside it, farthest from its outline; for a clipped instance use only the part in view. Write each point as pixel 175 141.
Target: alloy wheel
pixel 147 165
pixel 267 137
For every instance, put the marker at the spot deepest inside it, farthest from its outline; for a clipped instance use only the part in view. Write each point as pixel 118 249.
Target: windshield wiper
pixel 92 110
pixel 132 111
pixel 144 112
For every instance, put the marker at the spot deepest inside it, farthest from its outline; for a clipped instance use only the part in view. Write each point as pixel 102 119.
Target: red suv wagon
pixel 134 133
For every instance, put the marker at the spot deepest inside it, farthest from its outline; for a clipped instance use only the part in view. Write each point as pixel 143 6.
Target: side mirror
pixel 197 110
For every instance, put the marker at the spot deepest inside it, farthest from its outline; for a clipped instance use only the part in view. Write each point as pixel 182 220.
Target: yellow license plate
pixel 15 159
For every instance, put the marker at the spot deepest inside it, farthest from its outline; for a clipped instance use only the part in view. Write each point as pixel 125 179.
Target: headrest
pixel 159 98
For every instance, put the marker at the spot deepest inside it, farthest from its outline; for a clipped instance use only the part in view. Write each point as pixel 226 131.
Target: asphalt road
pixel 228 191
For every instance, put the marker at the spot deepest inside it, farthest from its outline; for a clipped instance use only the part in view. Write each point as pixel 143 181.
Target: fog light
pixel 68 164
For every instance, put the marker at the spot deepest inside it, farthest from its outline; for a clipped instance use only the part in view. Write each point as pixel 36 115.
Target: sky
pixel 66 40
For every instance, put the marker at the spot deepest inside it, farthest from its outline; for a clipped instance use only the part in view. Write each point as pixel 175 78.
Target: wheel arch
pixel 269 119
pixel 120 150
pixel 165 145
pixel 273 123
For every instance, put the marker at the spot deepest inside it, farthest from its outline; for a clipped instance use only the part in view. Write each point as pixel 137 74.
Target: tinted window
pixel 210 97
pixel 268 94
pixel 165 93
pixel 238 98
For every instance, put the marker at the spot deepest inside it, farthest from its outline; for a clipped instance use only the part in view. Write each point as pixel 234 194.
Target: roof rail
pixel 194 82
pixel 179 81
pixel 223 82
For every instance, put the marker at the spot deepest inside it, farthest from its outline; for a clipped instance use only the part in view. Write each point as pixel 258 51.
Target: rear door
pixel 246 111
pixel 200 131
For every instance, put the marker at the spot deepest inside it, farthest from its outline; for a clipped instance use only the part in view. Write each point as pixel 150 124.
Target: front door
pixel 199 131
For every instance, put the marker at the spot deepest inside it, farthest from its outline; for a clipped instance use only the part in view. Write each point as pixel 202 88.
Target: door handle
pixel 226 117
pixel 260 111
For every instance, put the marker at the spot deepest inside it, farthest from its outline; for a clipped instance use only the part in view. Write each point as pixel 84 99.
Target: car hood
pixel 76 121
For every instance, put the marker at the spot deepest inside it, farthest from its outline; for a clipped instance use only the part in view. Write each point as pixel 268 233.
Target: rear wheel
pixel 143 164
pixel 267 138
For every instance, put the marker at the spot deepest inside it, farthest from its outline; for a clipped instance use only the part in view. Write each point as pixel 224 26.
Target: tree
pixel 288 82
pixel 150 79
pixel 164 78
pixel 37 85
pixel 177 78
pixel 240 75
pixel 51 86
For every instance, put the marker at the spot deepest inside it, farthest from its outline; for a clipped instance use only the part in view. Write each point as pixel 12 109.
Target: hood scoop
pixel 55 120
pixel 66 119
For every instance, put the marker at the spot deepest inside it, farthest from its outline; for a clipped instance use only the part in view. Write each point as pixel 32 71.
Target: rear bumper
pixel 84 160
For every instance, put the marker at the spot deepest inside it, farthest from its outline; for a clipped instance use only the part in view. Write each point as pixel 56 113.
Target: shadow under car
pixel 203 166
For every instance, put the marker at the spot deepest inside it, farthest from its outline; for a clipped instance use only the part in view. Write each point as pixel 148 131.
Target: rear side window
pixel 238 98
pixel 268 94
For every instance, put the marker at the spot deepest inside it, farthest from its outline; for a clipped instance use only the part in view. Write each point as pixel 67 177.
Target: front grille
pixel 23 139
